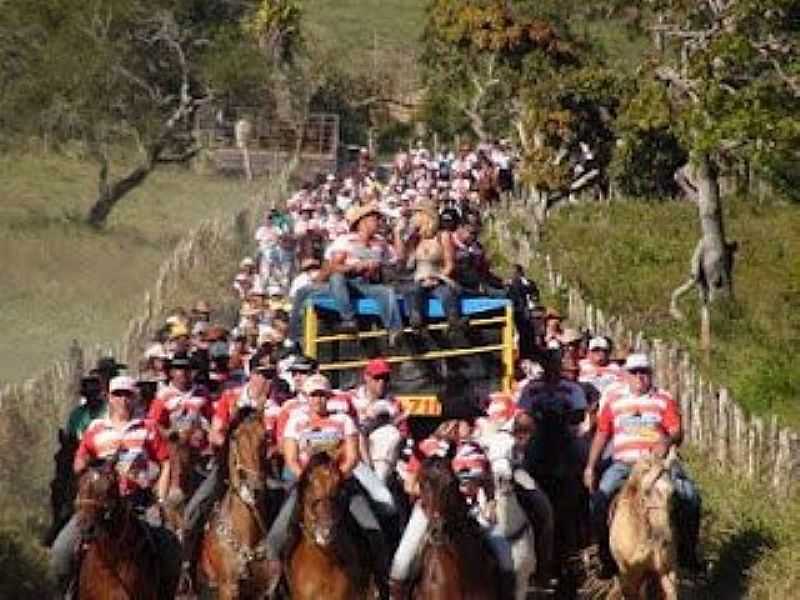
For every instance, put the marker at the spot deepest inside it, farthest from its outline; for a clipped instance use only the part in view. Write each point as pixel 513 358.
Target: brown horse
pixel 642 535
pixel 456 562
pixel 327 562
pixel 184 459
pixel 119 561
pixel 233 554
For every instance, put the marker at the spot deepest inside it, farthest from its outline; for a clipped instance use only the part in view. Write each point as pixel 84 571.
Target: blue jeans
pixel 301 298
pixel 342 289
pixel 417 298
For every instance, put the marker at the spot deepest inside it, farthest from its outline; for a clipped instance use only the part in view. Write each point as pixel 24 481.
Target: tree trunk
pixel 111 193
pixel 716 255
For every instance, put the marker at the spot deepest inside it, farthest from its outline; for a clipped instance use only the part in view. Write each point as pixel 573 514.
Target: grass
pixel 63 280
pixel 751 541
pixel 629 256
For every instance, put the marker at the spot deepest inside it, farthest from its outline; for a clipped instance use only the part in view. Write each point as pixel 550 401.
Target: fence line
pixel 714 423
pixel 31 411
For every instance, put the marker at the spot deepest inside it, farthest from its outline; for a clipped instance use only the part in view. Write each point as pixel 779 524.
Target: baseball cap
pixel 122 383
pixel 303 364
pixel 317 383
pixel 638 361
pixel 599 343
pixel 377 367
pixel 570 336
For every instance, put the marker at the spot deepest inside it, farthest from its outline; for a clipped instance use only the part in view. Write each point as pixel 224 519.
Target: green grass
pixel 751 541
pixel 356 27
pixel 629 256
pixel 61 279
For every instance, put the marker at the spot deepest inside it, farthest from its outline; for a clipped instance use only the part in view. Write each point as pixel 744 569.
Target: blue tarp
pixel 469 306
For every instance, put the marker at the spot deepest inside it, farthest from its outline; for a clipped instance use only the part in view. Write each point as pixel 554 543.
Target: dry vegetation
pixel 63 280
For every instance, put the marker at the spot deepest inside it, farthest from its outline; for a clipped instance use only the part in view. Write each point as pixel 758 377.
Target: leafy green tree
pixel 112 73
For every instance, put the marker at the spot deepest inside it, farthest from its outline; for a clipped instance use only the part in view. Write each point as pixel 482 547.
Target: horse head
pixel 98 494
pixel 183 457
pixel 318 494
pixel 650 487
pixel 247 456
pixel 439 492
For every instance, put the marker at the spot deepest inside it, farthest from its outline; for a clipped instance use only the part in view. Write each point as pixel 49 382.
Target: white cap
pixel 317 383
pixel 637 361
pixel 247 262
pixel 599 343
pixel 274 290
pixel 122 383
pixel 200 328
pixel 242 277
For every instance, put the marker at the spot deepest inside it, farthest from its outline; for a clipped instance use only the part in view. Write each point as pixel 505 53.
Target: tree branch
pixel 671 76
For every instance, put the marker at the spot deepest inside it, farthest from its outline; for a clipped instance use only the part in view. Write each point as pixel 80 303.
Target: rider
pixel 312 429
pixel 182 403
pixel 596 368
pixel 255 394
pixel 638 418
pixel 91 407
pixel 141 457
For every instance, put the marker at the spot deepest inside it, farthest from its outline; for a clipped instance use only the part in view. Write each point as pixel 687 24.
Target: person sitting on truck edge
pixel 356 260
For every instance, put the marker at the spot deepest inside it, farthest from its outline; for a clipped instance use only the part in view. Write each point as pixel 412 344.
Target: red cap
pixel 377 367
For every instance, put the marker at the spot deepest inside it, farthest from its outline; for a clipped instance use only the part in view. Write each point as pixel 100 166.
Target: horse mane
pixel 240 417
pixel 320 459
pixel 438 478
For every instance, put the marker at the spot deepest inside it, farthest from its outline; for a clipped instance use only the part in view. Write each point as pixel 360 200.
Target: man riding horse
pixel 638 418
pixel 311 429
pixel 140 455
pixel 255 394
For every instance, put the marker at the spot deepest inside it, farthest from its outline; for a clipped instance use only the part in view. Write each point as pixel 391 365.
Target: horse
pixel 64 485
pixel 184 479
pixel 555 465
pixel 509 517
pixel 456 561
pixel 118 557
pixel 232 551
pixel 327 561
pixel 643 539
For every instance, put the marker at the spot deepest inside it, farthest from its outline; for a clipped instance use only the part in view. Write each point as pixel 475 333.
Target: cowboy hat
pixel 356 213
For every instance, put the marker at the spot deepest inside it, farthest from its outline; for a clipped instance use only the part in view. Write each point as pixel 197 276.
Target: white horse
pixel 510 519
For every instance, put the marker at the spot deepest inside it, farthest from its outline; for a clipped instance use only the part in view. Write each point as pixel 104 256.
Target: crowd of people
pixel 401 241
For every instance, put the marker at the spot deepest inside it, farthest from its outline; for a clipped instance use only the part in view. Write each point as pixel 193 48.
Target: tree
pixel 112 73
pixel 482 53
pixel 734 84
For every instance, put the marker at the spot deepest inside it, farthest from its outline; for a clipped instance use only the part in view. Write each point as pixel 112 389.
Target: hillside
pixel 63 280
pixel 631 255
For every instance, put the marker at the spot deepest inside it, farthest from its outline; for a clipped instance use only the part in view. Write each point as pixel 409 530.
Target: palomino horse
pixel 233 554
pixel 642 536
pixel 184 460
pixel 119 559
pixel 456 561
pixel 327 561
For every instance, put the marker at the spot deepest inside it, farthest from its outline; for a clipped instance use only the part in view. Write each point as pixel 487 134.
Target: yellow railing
pixel 417 404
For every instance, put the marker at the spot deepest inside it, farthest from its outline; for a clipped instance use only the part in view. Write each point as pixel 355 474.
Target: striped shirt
pixel 315 434
pixel 637 423
pixel 139 449
pixel 355 251
pixel 599 376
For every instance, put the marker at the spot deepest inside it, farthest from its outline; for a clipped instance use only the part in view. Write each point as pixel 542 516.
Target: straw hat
pixel 356 213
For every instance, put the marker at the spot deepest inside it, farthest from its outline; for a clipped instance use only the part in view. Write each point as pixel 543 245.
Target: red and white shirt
pixel 139 448
pixel 234 399
pixel 637 423
pixel 355 250
pixel 599 376
pixel 173 408
pixel 315 434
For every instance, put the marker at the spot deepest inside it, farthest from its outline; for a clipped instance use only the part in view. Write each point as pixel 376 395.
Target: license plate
pixel 421 406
